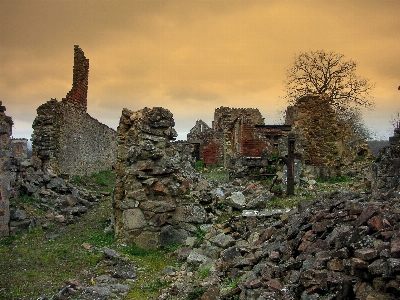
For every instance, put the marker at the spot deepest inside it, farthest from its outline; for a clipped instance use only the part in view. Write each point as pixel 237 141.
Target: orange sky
pixel 189 56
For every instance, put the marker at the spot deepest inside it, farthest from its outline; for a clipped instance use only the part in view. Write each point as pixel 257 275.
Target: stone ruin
pixel 386 168
pixel 157 195
pixel 5 174
pixel 238 136
pixel 323 142
pixel 235 133
pixel 66 138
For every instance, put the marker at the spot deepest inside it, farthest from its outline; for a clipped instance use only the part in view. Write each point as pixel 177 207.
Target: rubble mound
pixel 342 245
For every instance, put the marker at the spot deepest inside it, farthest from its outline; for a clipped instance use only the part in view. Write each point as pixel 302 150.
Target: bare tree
pixel 320 72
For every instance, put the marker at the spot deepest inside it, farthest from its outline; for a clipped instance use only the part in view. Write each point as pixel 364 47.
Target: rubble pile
pixel 342 245
pixel 40 197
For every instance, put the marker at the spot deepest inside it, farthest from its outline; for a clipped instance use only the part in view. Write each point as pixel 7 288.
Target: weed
pixel 205 273
pixel 156 285
pixel 134 250
pixel 197 292
pixel 200 236
pixel 23 199
pixel 102 239
pixel 199 165
pixel 172 247
pixel 9 239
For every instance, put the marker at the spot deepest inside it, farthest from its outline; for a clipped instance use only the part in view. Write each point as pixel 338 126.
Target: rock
pixel 110 254
pixel 223 241
pixel 236 200
pixel 18 215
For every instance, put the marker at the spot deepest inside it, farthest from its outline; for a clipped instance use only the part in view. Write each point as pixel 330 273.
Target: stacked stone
pixel 322 139
pixel 78 94
pixel 5 174
pixel 342 245
pixel 386 169
pixel 46 133
pixel 66 138
pixel 153 203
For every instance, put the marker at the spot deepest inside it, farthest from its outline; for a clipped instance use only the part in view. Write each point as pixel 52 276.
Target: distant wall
pixel 66 138
pixel 5 175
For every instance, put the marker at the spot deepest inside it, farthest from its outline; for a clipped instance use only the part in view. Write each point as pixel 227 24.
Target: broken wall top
pixel 77 96
pixel 225 117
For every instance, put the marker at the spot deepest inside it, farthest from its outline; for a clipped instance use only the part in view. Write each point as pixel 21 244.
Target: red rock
pixel 375 223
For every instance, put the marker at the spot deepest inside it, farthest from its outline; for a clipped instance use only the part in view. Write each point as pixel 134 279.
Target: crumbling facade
pixel 5 174
pixel 323 141
pixel 153 199
pixel 236 132
pixel 386 168
pixel 66 138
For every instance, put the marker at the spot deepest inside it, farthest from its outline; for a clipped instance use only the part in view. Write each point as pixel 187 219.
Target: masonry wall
pixel 66 138
pixel 321 138
pixel 152 203
pixel 5 174
pixel 236 132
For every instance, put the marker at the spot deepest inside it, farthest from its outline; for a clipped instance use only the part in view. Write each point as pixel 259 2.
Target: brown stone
pixel 335 264
pixel 273 284
pixel 212 293
pixel 395 248
pixel 367 213
pixel 366 254
pixel 375 223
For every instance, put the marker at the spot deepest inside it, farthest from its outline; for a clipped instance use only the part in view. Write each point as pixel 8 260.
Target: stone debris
pixel 113 285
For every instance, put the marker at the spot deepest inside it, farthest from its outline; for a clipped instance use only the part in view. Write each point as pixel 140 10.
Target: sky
pixel 190 56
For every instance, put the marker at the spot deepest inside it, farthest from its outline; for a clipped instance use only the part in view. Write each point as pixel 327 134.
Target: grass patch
pixel 150 265
pixel 33 266
pixel 217 174
pixel 105 180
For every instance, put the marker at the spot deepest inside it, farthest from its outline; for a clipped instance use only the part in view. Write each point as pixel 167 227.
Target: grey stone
pixel 170 235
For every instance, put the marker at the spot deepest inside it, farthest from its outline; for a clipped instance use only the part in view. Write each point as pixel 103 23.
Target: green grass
pixel 150 263
pixel 217 174
pixel 105 180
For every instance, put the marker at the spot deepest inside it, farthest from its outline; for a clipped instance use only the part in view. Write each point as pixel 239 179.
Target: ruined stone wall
pixel 153 200
pixel 321 138
pixel 19 148
pixel 233 135
pixel 70 141
pixel 77 96
pixel 386 168
pixel 5 174
pixel 225 117
pixel 66 138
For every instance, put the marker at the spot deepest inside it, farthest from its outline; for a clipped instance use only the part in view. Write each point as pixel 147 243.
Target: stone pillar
pixel 151 201
pixel 5 175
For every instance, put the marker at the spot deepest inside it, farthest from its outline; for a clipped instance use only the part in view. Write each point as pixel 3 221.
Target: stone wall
pixel 5 174
pixel 386 168
pixel 66 138
pixel 77 96
pixel 19 148
pixel 236 132
pixel 321 138
pixel 155 201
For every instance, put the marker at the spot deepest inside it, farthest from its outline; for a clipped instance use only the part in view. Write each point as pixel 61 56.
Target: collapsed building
pixel 65 137
pixel 323 142
pixel 386 168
